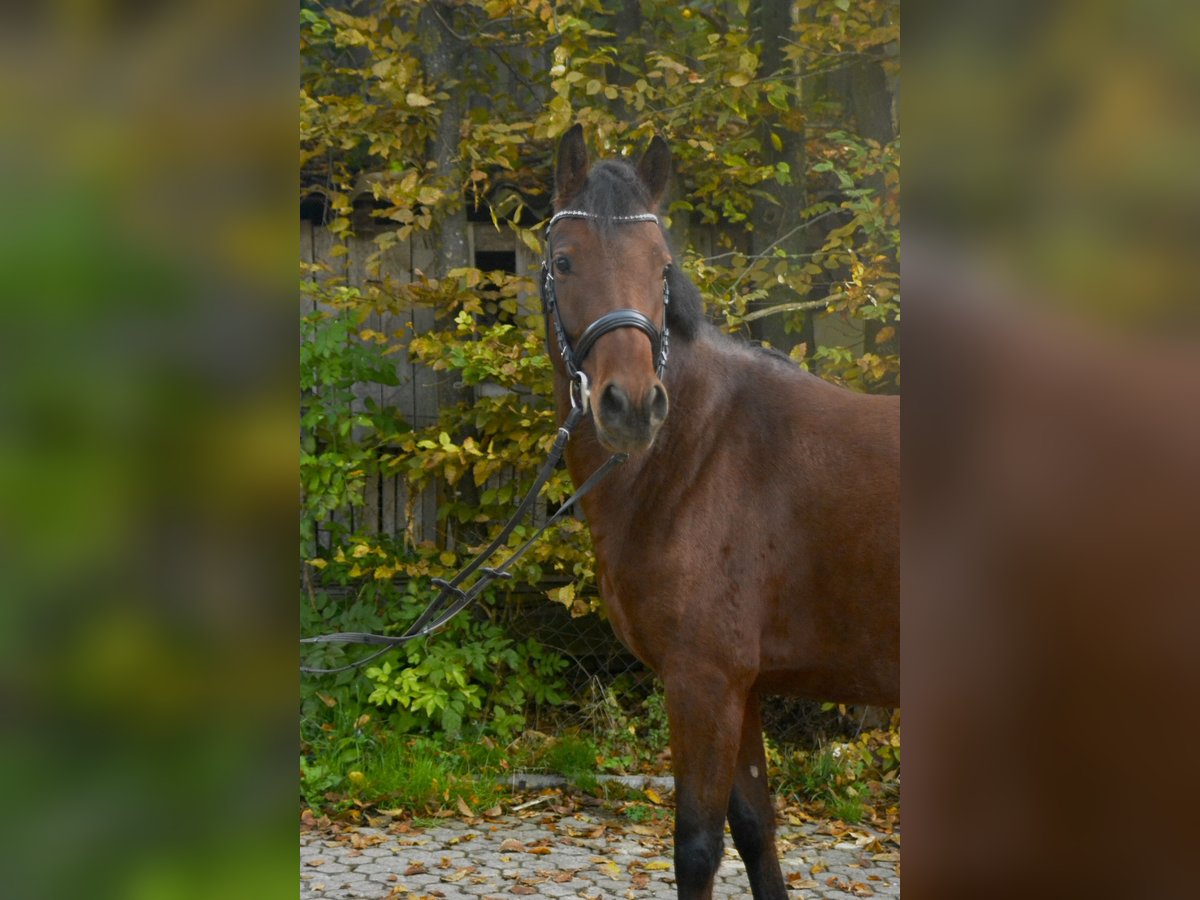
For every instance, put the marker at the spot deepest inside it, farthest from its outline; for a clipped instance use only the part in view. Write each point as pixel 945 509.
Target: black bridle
pixel 573 357
pixel 455 595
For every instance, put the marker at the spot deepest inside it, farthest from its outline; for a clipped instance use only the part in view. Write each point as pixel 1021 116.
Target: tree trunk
pixel 443 56
pixel 777 221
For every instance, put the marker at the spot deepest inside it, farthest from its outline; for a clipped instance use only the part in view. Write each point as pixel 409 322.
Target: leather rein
pixel 453 596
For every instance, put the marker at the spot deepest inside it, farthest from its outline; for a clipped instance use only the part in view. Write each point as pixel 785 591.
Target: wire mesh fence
pixel 602 670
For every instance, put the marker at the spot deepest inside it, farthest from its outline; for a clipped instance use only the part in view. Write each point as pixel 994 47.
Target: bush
pixel 844 778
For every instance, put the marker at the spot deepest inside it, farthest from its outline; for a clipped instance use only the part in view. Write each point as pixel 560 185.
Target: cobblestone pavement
pixel 592 854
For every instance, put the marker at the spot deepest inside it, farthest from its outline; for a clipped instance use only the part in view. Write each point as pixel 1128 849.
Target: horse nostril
pixel 614 403
pixel 656 403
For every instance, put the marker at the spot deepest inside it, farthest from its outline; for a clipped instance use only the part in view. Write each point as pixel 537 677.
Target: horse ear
pixel 655 169
pixel 572 167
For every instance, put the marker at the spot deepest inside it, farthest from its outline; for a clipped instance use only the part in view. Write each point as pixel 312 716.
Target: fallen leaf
pixel 415 869
pixel 658 865
pixel 610 868
pixel 653 796
pixel 459 874
pixel 512 845
pixel 522 889
pixel 465 809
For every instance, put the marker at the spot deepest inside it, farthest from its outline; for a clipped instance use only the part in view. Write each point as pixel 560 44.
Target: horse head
pixel 605 289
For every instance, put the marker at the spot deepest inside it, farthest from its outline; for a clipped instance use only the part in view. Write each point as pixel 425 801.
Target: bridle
pixel 573 357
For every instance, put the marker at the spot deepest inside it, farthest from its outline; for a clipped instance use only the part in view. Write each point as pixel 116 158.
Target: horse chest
pixel 631 621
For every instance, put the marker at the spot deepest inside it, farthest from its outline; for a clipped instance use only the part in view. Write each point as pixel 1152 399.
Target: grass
pixel 415 774
pixel 574 758
pixel 424 775
pixel 846 780
pixel 349 763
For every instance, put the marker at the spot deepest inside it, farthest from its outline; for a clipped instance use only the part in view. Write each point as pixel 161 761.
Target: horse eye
pixel 562 264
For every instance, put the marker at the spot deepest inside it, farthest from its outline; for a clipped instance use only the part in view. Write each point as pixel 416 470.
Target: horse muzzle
pixel 625 424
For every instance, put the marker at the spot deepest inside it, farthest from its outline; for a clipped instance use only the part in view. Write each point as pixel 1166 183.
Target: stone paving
pixel 584 854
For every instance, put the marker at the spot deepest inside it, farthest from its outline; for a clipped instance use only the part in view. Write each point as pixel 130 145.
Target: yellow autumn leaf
pixel 412 98
pixel 658 865
pixel 653 796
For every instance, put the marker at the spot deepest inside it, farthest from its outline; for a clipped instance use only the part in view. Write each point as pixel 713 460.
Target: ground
pixel 551 850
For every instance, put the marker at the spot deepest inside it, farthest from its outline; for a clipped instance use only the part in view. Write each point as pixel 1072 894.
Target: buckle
pixel 580 382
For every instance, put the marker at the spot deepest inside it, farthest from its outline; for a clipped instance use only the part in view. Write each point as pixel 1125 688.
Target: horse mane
pixel 613 189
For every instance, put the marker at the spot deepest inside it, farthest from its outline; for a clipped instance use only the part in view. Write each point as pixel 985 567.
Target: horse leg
pixel 705 715
pixel 751 814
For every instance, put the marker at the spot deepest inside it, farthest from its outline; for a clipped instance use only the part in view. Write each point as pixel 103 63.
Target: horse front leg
pixel 705 715
pixel 751 813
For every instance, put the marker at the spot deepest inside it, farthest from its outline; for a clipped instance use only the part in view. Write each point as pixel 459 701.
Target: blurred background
pixel 1051 439
pixel 147 433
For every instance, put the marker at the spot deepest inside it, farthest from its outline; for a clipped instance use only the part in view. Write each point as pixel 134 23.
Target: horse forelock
pixel 612 189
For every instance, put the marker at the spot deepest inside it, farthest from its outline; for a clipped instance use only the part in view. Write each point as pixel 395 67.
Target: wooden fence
pixel 387 508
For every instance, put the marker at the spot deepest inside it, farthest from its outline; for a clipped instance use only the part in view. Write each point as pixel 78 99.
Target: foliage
pixel 745 126
pixel 441 683
pixel 845 778
pixel 334 457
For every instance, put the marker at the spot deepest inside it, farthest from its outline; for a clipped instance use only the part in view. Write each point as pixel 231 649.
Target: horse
pixel 748 543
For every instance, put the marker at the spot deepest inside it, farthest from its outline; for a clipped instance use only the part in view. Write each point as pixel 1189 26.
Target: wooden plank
pixel 529 264
pixel 486 238
pixel 323 244
pixel 425 391
pixel 357 276
pixel 395 268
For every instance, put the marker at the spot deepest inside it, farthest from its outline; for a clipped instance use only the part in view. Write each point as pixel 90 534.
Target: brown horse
pixel 749 543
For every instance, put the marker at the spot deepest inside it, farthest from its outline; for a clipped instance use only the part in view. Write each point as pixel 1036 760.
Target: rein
pixel 453 597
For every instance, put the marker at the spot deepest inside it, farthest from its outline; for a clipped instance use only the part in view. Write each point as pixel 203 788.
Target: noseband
pixel 573 357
